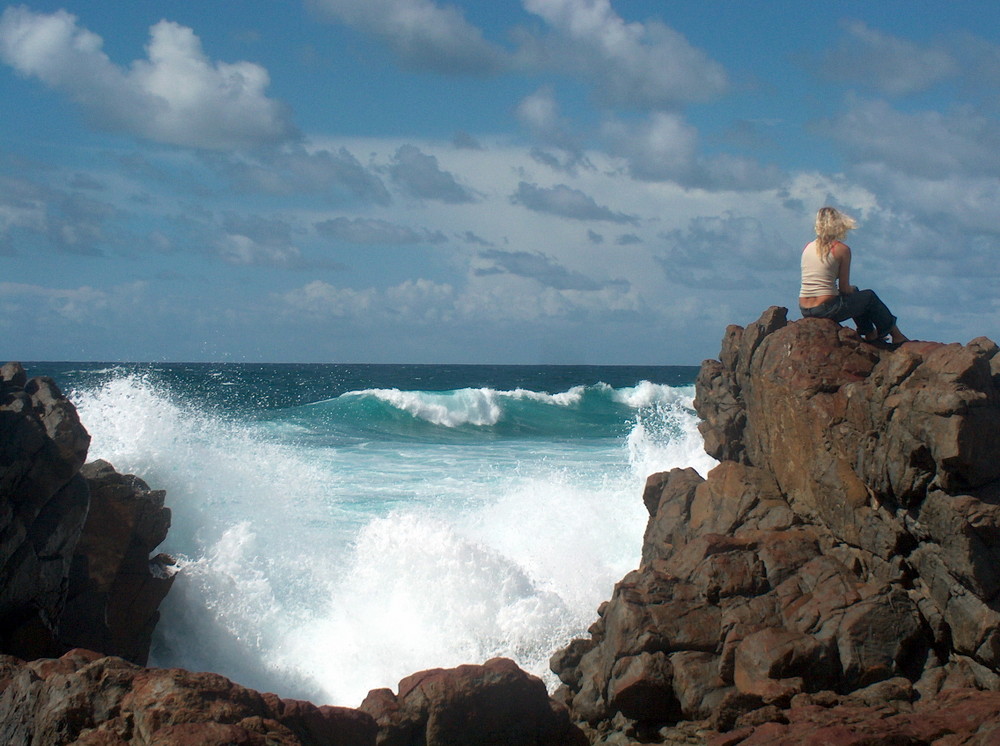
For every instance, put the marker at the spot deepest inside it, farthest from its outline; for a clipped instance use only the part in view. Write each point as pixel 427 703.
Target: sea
pixel 339 527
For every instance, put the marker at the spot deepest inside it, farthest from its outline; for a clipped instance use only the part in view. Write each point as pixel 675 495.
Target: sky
pixel 483 181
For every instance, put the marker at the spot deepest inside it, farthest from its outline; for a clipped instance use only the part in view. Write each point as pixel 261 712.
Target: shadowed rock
pixel 43 506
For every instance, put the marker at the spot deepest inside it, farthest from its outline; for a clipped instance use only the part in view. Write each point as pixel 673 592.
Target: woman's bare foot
pixel 897 336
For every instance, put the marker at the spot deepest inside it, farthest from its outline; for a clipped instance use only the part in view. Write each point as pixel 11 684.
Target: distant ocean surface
pixel 343 526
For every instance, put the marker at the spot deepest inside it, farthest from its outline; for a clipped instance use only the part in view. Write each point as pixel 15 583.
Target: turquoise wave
pixel 594 411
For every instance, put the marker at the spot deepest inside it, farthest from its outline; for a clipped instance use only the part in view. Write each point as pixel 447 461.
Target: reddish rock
pixel 641 688
pixel 776 664
pixel 842 555
pixel 495 703
pixel 87 699
pixel 958 717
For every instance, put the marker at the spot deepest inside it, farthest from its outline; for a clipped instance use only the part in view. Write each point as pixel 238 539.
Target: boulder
pixel 843 553
pixel 495 703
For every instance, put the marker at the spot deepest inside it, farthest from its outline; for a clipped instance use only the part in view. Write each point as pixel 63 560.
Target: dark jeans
pixel 867 310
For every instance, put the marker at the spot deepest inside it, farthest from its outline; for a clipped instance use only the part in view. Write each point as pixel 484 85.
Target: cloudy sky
pixel 483 181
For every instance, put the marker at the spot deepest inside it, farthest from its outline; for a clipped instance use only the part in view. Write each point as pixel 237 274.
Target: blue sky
pixel 545 181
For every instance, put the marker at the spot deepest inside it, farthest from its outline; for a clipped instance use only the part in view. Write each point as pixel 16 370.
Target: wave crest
pixel 487 407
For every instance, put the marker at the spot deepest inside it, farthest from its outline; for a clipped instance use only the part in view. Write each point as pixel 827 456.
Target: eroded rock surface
pixel 849 537
pixel 493 704
pixel 84 698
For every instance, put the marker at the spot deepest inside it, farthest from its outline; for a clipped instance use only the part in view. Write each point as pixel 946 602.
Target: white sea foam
pixel 449 408
pixel 324 572
pixel 666 434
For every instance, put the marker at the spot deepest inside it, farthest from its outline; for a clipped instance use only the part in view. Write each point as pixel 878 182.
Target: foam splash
pixel 449 408
pixel 322 572
pixel 485 407
pixel 665 434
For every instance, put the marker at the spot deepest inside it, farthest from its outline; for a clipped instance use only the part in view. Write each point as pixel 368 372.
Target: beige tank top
pixel 819 277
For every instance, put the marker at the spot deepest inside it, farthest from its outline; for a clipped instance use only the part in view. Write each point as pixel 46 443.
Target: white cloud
pixel 726 251
pixel 887 63
pixel 514 299
pixel 664 147
pixel 321 299
pixel 295 170
pixel 489 299
pixel 421 300
pixel 65 221
pixel 539 112
pixel 176 96
pixel 535 266
pixel 421 176
pixel 373 232
pixel 566 202
pixel 77 305
pixel 630 64
pixel 423 34
pixel 417 301
pixel 925 143
pixel 238 249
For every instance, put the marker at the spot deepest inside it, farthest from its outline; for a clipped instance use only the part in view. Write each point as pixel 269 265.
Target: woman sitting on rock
pixel 826 291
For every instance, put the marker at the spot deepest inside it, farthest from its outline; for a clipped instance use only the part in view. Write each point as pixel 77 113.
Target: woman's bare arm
pixel 843 252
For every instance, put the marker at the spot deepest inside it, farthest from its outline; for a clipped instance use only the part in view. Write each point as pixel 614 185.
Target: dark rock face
pixel 75 540
pixel 85 698
pixel 849 537
pixel 115 589
pixel 43 506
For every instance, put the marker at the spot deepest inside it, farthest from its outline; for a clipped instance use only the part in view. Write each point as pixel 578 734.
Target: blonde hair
pixel 831 226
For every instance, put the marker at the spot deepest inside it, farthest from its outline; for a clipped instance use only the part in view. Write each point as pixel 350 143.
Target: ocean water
pixel 339 527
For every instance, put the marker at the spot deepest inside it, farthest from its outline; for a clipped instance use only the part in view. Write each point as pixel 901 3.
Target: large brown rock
pixel 848 540
pixel 955 717
pixel 495 704
pixel 83 697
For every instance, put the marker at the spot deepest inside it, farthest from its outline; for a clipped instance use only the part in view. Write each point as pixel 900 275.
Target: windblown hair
pixel 831 226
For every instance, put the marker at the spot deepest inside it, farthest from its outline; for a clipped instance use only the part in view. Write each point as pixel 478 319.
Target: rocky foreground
pixel 834 580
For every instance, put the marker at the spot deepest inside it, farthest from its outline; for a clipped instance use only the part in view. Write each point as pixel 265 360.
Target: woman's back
pixel 819 275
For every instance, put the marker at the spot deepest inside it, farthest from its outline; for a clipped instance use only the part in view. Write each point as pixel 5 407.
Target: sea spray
pixel 334 547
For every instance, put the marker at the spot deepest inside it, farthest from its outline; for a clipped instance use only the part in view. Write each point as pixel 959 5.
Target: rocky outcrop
pixel 495 703
pixel 115 589
pixel 43 506
pixel 846 544
pixel 75 539
pixel 84 698
pixel 834 580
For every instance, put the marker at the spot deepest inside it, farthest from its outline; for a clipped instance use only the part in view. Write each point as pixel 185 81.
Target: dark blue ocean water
pixel 343 526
